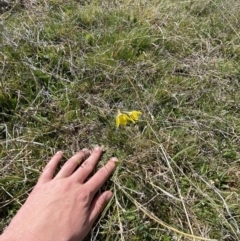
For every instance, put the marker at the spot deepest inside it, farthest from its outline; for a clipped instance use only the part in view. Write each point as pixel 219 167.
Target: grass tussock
pixel 66 67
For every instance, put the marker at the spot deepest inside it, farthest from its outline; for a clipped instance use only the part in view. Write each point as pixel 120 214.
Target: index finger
pixel 96 182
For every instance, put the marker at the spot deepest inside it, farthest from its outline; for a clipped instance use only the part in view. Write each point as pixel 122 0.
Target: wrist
pixel 14 235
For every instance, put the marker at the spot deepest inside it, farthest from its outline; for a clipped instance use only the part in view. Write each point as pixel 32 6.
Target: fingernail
pixel 59 152
pixel 114 159
pixel 97 148
pixel 85 151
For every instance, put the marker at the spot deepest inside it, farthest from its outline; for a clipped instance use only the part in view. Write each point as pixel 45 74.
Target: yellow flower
pixel 122 119
pixel 134 115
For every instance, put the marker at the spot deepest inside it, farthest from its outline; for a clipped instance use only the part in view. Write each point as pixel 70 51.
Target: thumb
pixel 98 204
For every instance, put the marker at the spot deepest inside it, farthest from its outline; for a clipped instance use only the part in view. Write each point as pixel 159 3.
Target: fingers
pixel 69 167
pixel 98 204
pixel 96 182
pixel 88 166
pixel 50 168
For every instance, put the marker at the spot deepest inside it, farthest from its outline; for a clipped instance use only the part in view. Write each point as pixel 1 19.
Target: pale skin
pixel 63 207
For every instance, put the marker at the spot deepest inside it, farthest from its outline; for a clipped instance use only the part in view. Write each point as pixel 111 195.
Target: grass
pixel 66 67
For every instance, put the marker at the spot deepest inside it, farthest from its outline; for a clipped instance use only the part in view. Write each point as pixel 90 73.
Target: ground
pixel 68 66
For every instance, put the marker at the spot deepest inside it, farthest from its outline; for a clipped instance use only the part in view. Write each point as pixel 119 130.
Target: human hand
pixel 64 207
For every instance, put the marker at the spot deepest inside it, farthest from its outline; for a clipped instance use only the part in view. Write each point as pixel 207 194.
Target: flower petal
pixel 134 115
pixel 117 122
pixel 122 119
